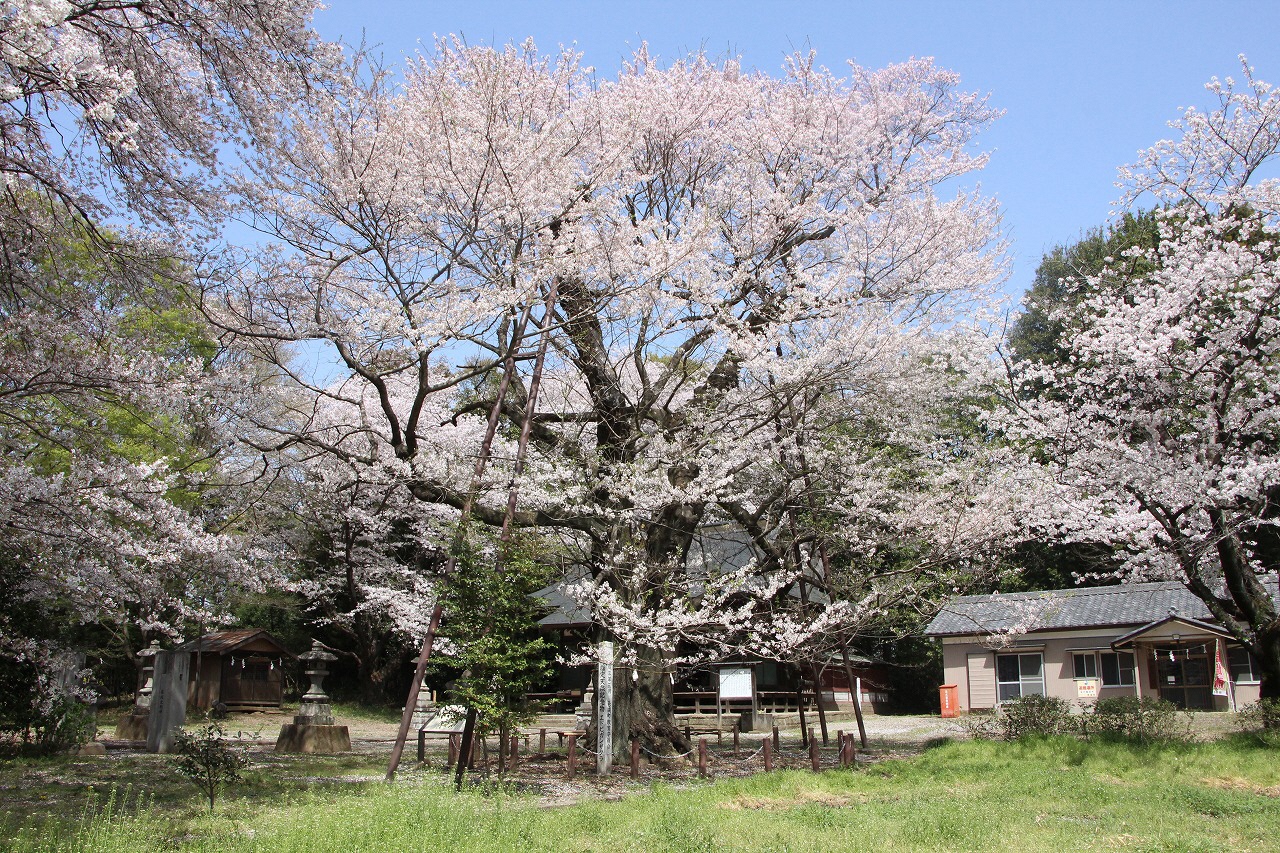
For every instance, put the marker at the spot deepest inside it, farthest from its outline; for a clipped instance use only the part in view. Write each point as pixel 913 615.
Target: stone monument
pixel 313 729
pixel 168 710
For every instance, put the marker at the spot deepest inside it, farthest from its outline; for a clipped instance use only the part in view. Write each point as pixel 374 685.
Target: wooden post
pixel 415 686
pixel 688 733
pixel 422 746
pixel 735 739
pixel 573 754
pixel 513 755
pixel 768 753
pixel 702 756
pixel 466 749
pixel 453 750
pixel 814 757
pixel 542 741
pixel 855 685
pixel 777 743
pixel 853 752
pixel 635 758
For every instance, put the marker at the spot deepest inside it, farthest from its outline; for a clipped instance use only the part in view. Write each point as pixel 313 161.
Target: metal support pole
pixel 817 700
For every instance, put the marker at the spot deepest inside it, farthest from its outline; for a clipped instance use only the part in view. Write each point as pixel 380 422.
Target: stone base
pixel 756 722
pixel 295 737
pixel 133 725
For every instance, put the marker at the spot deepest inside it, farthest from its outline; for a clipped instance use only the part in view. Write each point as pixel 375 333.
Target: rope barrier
pixel 742 760
pixel 656 755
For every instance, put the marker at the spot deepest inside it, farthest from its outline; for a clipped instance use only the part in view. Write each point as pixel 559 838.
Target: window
pixel 1019 675
pixel 1117 669
pixel 1086 665
pixel 1244 669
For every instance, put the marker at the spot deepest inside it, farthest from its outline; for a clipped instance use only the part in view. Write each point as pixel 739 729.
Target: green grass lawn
pixel 1042 795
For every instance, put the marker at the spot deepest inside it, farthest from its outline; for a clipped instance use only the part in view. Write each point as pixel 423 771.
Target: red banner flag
pixel 1219 671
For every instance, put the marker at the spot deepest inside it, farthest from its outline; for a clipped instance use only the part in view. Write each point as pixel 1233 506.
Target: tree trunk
pixel 1267 654
pixel 644 708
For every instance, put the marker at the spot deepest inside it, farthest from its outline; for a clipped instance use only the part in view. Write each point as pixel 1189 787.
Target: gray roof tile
pixel 1121 604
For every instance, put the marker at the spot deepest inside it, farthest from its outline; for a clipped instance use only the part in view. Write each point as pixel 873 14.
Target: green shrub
pixel 981 725
pixel 1035 715
pixel 1145 720
pixel 1022 717
pixel 63 724
pixel 1262 719
pixel 208 759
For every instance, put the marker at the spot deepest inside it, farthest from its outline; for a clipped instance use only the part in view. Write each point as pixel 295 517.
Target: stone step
pixel 553 722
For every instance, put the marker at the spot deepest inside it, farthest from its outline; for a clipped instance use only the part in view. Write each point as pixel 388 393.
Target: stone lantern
pixel 313 728
pixel 315 707
pixel 148 656
pixel 134 725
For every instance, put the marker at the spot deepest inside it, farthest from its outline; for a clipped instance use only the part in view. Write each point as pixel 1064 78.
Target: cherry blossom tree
pixel 115 119
pixel 365 558
pixel 724 267
pixel 1161 434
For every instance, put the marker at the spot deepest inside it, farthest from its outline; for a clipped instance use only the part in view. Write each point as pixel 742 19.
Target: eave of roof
pixel 218 642
pixel 1194 624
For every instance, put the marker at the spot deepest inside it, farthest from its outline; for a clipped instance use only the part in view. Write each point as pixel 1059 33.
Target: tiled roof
pixel 1122 604
pixel 218 642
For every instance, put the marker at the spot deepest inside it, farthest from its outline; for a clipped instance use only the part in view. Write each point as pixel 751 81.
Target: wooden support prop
pixel 777 742
pixel 702 756
pixel 415 687
pixel 735 740
pixel 815 758
pixel 466 749
pixel 542 742
pixel 855 689
pixel 513 757
pixel 635 758
pixel 573 755
pixel 767 748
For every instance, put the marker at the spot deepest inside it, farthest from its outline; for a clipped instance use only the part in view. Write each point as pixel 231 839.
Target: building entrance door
pixel 1184 676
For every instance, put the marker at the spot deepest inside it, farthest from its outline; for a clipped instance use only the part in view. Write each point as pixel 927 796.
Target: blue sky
pixel 1084 85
